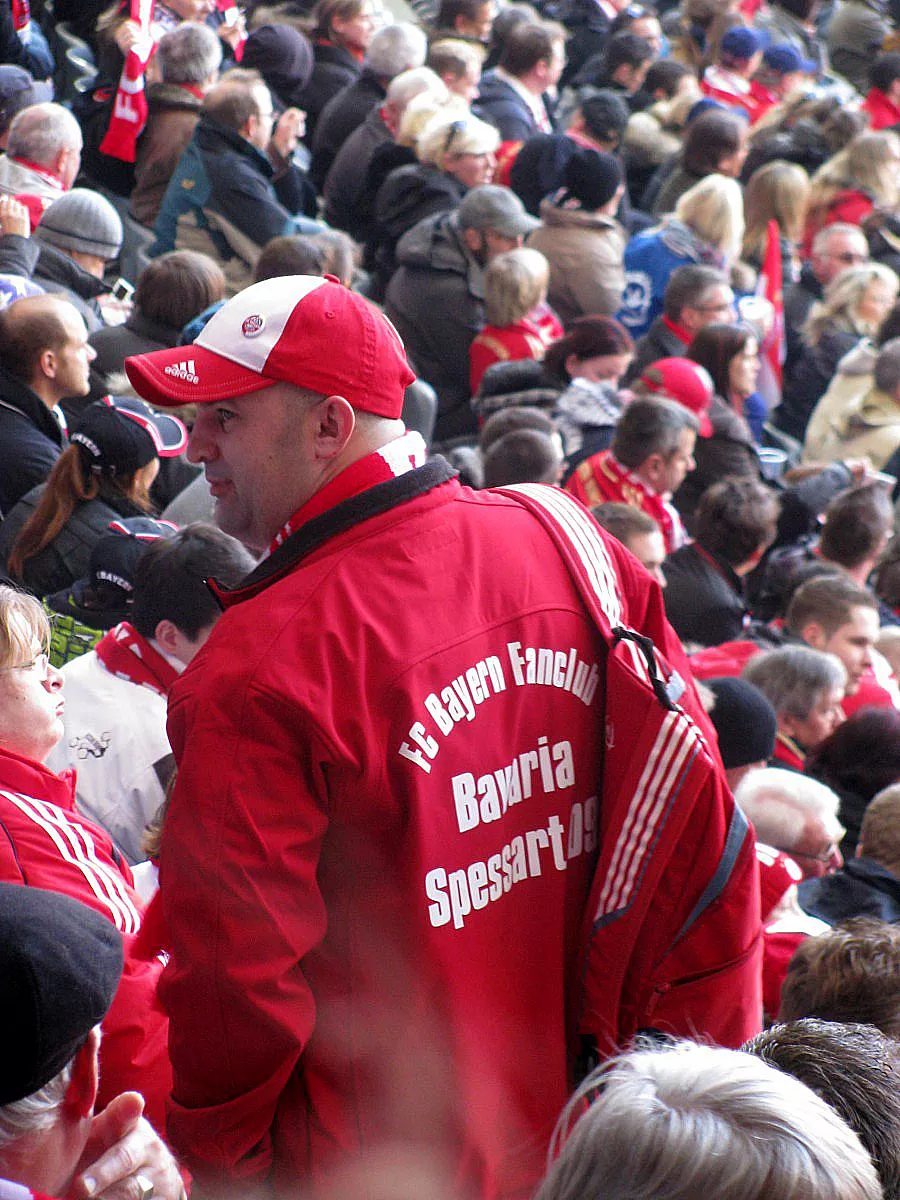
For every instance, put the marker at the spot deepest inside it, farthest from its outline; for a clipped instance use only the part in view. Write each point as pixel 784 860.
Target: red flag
pixel 129 115
pixel 773 348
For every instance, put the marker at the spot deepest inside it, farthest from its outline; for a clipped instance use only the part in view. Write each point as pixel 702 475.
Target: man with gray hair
pixel 869 884
pixel 805 687
pixel 188 58
pixel 796 815
pixel 348 197
pixel 834 249
pixel 651 454
pixel 695 296
pixel 684 1120
pixel 43 156
pixel 60 965
pixel 392 50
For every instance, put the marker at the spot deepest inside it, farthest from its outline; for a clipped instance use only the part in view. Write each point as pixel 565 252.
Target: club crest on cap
pixel 253 325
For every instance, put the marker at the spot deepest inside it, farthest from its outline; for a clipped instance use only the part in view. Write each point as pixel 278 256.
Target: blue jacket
pixel 650 258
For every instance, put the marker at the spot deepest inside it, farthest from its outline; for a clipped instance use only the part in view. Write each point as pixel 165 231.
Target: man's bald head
pixel 31 326
pixel 49 136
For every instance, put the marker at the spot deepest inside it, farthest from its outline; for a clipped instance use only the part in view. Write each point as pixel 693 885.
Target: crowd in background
pixel 647 255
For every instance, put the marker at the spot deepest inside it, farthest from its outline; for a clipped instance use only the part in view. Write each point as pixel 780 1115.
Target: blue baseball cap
pixel 742 42
pixel 785 58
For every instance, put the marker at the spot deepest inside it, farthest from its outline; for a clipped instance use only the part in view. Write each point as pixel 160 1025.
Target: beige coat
pixel 585 252
pixel 851 381
pixel 869 425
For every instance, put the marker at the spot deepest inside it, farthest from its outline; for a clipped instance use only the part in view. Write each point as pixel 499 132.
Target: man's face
pixel 259 129
pixel 31 706
pixel 73 357
pixel 479 26
pixel 853 643
pixel 650 550
pixel 842 250
pixel 650 30
pixel 817 853
pixel 70 164
pixel 258 461
pixel 495 243
pixel 819 723
pixel 715 306
pixel 669 473
pixel 556 65
pixel 632 78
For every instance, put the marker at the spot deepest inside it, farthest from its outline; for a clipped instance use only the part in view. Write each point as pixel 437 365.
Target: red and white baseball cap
pixel 306 330
pixel 684 381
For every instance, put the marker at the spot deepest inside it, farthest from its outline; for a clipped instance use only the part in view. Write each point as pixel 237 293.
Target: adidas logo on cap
pixel 183 370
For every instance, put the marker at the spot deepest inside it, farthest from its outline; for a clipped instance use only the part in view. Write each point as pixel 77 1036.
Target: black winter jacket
pixel 31 440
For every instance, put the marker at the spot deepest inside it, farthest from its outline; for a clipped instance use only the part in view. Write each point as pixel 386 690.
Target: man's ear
pixel 335 422
pixel 472 239
pixel 814 635
pixel 167 634
pixel 46 364
pixel 651 467
pixel 81 1094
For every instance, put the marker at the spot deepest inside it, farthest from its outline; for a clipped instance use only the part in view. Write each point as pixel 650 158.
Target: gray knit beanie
pixel 82 220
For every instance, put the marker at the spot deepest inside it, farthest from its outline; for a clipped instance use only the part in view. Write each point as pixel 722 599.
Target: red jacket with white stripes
pixel 385 831
pixel 45 843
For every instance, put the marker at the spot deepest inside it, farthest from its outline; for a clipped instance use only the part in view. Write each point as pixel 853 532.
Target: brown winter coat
pixel 172 118
pixel 585 252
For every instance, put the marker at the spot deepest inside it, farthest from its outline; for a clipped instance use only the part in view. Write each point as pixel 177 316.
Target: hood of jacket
pixel 215 138
pixel 683 241
pixel 646 140
pixel 437 245
pixel 860 360
pixel 557 216
pixel 872 410
pixel 56 267
pixel 18 395
pixel 411 191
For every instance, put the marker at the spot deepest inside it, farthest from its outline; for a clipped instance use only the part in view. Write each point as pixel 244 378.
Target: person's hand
pixel 860 468
pixel 291 126
pixel 14 218
pixel 233 32
pixel 128 35
pixel 123 1154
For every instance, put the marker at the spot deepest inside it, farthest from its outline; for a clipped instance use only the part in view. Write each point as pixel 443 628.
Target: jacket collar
pixel 314 533
pixel 18 396
pixel 210 134
pixel 31 778
pixel 56 266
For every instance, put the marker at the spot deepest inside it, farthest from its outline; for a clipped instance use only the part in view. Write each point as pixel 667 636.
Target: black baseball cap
pixel 122 434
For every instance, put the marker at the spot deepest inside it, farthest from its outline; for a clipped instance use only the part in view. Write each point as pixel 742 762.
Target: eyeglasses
pixel 39 664
pixel 849 257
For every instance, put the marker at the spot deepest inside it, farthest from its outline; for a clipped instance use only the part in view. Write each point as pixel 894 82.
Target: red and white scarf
pixel 126 653
pixel 21 13
pixel 602 478
pixel 396 458
pixel 129 115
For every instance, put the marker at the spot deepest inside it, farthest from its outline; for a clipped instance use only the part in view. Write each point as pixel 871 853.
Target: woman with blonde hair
pixel 864 176
pixel 776 192
pixel 455 152
pixel 855 304
pixel 706 228
pixel 105 474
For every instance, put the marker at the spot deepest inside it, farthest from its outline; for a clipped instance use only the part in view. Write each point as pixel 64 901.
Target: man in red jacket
pixel 413 813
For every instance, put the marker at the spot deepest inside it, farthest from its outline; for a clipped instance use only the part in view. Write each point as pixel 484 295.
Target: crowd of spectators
pixel 650 256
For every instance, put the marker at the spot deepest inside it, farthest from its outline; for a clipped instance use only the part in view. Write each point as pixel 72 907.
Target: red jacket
pixel 883 113
pixel 383 835
pixel 45 843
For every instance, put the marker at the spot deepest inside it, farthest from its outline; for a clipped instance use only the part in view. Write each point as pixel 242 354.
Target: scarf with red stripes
pixel 126 653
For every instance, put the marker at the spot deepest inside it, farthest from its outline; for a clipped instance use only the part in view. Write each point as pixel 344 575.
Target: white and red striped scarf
pixel 129 115
pixel 126 653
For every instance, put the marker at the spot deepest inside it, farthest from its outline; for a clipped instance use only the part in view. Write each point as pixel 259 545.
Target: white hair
pixel 417 82
pixel 40 131
pixel 396 48
pixel 779 804
pixel 35 1113
pixel 688 1121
